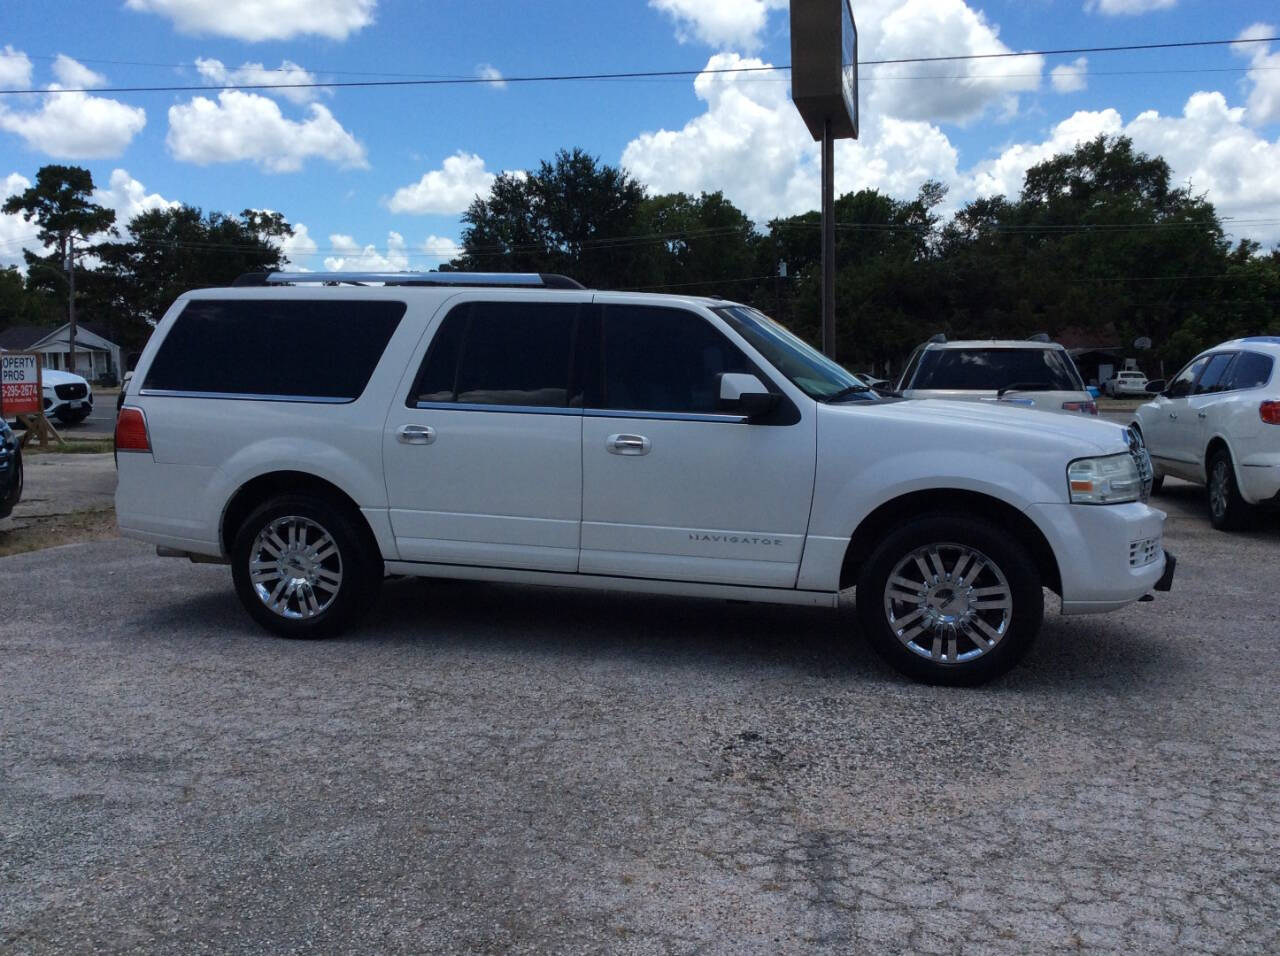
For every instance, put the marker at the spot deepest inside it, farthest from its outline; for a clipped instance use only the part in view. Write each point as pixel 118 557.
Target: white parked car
pixel 1035 374
pixel 1126 384
pixel 1217 423
pixel 68 399
pixel 525 429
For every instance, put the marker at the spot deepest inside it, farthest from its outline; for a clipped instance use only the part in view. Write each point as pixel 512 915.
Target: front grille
pixel 1140 458
pixel 71 392
pixel 1144 552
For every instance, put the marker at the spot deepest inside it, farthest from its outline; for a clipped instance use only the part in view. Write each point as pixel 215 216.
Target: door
pixel 1176 427
pixel 483 454
pixel 1203 407
pixel 674 488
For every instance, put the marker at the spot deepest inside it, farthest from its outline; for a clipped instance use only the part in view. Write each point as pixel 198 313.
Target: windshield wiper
pixel 1026 387
pixel 846 392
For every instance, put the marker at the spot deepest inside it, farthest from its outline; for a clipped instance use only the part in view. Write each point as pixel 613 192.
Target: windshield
pixel 808 369
pixel 991 369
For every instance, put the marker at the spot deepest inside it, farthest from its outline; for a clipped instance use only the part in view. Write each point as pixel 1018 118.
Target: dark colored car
pixel 10 470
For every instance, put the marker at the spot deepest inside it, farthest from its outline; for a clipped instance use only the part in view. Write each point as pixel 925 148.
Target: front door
pixel 674 488
pixel 483 452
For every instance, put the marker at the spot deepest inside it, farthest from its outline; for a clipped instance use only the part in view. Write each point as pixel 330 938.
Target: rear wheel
pixel 305 567
pixel 948 599
pixel 1228 511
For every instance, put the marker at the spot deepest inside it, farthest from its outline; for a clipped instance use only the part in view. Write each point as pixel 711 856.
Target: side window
pixel 1252 370
pixel 663 360
pixel 1214 377
pixel 1181 386
pixel 293 349
pixel 501 353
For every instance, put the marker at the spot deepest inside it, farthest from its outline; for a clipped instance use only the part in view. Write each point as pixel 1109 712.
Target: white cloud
pixel 490 72
pixel 74 75
pixel 256 74
pixel 445 191
pixel 299 247
pixel 76 126
pixel 245 126
pixel 1003 176
pixel 255 20
pixel 1264 75
pixel 723 24
pixel 1114 8
pixel 15 69
pixel 440 249
pixel 15 232
pixel 1071 77
pixel 751 144
pixel 952 91
pixel 351 257
pixel 129 198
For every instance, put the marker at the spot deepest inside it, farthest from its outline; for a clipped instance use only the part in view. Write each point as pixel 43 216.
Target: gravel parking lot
pixel 487 768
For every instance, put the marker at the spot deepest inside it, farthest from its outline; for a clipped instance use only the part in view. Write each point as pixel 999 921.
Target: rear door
pixel 483 447
pixel 1204 407
pixel 674 488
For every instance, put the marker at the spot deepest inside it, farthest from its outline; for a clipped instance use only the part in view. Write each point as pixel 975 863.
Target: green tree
pixel 698 245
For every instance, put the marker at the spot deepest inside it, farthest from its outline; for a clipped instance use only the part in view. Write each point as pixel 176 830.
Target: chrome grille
pixel 1140 458
pixel 1144 552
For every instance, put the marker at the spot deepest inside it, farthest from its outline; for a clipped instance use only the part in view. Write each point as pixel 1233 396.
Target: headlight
pixel 1111 480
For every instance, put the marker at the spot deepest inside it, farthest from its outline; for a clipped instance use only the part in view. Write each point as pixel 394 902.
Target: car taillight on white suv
pixel 131 430
pixel 1084 408
pixel 1270 412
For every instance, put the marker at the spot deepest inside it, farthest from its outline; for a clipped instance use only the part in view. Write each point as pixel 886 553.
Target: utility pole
pixel 71 302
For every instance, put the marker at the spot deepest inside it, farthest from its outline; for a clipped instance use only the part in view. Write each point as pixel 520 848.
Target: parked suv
pixel 1034 373
pixel 68 399
pixel 10 470
pixel 525 429
pixel 1218 424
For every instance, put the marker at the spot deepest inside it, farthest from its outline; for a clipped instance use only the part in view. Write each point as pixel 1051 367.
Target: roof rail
pixel 1039 337
pixel 535 280
pixel 937 338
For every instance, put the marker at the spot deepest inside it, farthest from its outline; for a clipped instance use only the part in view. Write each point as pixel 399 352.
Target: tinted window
pixel 1252 370
pixel 664 360
pixel 280 348
pixel 1180 387
pixel 501 353
pixel 979 369
pixel 1213 378
pixel 809 370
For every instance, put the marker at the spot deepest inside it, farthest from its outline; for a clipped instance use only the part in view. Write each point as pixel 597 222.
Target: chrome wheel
pixel 295 567
pixel 948 603
pixel 1219 488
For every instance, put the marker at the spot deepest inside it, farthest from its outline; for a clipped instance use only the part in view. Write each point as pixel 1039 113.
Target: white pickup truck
pixel 516 428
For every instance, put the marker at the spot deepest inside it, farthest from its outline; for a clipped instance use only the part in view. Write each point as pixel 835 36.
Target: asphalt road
pixel 488 768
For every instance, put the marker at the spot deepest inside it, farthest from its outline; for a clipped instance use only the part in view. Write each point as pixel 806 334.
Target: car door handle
pixel 1201 415
pixel 628 445
pixel 415 434
pixel 1174 416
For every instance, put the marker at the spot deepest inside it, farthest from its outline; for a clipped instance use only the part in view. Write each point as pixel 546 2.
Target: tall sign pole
pixel 824 87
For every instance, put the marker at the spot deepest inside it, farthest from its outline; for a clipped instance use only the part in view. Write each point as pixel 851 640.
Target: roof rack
pixel 1039 337
pixel 527 280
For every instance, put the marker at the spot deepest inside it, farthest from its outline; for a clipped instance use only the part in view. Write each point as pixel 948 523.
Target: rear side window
pixel 663 360
pixel 1214 376
pixel 1252 370
pixel 501 353
pixel 284 349
pixel 994 369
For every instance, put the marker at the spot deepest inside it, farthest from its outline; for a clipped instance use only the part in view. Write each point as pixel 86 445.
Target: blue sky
pixel 377 178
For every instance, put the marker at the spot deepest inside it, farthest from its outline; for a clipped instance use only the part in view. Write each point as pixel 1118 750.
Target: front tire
pixel 948 599
pixel 305 567
pixel 1228 511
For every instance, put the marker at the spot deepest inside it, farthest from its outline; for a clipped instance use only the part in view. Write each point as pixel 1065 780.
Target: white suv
pixel 1218 424
pixel 525 429
pixel 1035 373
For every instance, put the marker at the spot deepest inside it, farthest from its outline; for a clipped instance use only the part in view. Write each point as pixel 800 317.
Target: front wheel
pixel 948 599
pixel 305 567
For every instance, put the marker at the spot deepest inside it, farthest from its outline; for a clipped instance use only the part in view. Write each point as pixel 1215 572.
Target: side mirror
pixel 1156 387
pixel 746 394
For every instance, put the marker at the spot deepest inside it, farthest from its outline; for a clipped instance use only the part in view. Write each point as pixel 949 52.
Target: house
pixel 96 355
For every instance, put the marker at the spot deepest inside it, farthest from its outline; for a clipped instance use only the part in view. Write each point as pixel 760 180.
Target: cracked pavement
pixel 486 768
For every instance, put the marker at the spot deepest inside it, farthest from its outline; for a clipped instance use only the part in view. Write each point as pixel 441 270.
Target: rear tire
pixel 1228 511
pixel 305 567
pixel 948 599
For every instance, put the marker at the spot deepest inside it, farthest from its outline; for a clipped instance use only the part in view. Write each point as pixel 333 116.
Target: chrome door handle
pixel 1201 415
pixel 628 445
pixel 1174 416
pixel 415 434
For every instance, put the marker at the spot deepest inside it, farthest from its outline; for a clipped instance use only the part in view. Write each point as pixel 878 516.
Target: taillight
pixel 1084 408
pixel 1270 412
pixel 131 430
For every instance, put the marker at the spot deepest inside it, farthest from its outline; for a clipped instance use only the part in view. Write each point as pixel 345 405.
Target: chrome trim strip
pixel 247 397
pixel 464 279
pixel 664 416
pixel 518 409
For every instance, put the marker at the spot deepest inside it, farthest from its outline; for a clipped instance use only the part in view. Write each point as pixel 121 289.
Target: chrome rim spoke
pixel 295 567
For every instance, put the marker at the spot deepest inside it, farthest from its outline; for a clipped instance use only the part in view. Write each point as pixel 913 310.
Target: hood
pixel 1102 435
pixel 53 376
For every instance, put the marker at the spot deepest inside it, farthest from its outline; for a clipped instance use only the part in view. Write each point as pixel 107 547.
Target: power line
pixel 631 75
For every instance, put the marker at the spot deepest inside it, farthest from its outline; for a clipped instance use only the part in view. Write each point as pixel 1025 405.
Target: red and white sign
pixel 20 384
